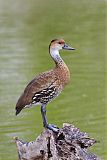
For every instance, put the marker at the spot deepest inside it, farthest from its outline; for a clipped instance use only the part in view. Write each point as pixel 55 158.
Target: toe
pixel 53 128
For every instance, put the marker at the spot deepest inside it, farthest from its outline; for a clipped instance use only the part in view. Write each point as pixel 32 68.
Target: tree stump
pixel 68 144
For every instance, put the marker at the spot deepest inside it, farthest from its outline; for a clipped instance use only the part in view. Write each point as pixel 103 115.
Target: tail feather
pixel 19 105
pixel 18 110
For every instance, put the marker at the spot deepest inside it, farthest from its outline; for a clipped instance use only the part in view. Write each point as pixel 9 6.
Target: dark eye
pixel 60 43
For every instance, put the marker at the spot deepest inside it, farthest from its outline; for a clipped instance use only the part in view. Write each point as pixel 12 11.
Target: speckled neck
pixel 56 56
pixel 61 68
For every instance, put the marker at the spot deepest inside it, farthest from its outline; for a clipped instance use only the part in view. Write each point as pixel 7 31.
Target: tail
pixel 18 110
pixel 19 105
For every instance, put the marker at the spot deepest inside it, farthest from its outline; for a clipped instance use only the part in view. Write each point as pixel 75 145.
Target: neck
pixel 61 68
pixel 56 56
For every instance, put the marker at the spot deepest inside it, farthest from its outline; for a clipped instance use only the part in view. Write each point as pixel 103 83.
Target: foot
pixel 53 127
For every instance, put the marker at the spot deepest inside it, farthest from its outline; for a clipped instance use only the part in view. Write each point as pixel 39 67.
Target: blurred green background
pixel 26 29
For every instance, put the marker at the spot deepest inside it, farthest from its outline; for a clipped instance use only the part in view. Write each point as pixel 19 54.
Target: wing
pixel 39 83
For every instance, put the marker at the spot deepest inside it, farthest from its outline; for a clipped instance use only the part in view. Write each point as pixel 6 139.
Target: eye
pixel 59 42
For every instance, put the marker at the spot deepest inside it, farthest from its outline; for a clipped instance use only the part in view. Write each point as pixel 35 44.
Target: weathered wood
pixel 69 144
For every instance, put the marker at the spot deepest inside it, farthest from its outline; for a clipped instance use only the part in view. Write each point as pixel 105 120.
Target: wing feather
pixel 39 83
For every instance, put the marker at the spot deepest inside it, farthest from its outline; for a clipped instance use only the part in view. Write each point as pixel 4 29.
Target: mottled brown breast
pixel 44 87
pixel 63 73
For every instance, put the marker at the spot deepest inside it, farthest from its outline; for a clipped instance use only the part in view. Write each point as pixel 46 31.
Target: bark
pixel 68 144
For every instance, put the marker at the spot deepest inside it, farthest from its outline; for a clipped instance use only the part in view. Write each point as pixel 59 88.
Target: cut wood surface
pixel 68 144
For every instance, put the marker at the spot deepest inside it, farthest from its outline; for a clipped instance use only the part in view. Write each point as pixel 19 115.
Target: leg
pixel 43 112
pixel 45 122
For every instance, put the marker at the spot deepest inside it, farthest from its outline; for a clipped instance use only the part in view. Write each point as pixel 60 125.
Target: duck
pixel 47 85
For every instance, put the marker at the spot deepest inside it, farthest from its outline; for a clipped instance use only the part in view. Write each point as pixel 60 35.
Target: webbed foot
pixel 53 127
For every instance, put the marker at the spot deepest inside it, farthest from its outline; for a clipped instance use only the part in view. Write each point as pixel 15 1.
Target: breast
pixel 63 73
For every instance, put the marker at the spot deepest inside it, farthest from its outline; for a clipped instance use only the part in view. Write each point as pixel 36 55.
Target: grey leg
pixel 45 122
pixel 43 112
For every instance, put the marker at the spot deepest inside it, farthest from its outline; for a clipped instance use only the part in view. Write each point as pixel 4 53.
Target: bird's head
pixel 58 44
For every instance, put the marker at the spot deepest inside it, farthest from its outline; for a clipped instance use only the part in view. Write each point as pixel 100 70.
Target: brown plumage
pixel 47 85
